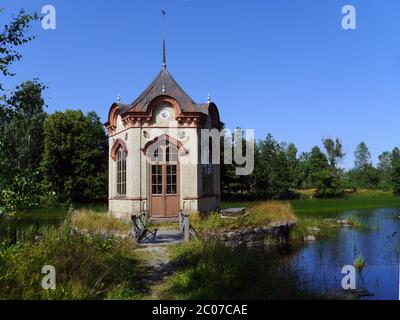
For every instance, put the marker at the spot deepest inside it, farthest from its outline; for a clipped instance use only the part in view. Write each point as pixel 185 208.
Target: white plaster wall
pixel 137 167
pixel 133 166
pixel 120 125
pixel 190 206
pixel 159 120
pixel 189 164
pixel 123 208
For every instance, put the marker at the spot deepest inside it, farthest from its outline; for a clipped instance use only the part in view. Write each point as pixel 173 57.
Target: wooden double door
pixel 164 190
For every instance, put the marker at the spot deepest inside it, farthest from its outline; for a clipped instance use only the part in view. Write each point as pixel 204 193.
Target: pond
pixel 318 263
pixel 33 219
pixel 377 240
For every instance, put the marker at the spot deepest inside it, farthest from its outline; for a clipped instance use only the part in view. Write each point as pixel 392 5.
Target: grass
pixel 96 221
pixel 317 227
pixel 34 217
pixel 355 223
pixel 359 263
pixel 208 270
pixel 260 214
pixel 363 199
pixel 94 265
pixel 51 213
pixel 315 217
pixel 88 266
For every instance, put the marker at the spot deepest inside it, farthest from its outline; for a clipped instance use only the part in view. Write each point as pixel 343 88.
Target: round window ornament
pixel 181 134
pixel 165 114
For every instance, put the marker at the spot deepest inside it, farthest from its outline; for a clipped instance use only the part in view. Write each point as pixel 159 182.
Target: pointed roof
pixel 163 84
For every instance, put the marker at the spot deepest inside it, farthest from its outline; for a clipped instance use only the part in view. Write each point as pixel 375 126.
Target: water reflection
pixel 377 241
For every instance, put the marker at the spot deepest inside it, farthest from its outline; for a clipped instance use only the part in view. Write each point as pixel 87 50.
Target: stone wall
pixel 254 236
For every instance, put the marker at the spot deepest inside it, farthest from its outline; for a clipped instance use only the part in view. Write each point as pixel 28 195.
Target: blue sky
pixel 279 66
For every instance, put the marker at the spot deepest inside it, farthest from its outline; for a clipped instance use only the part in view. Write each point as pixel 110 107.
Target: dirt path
pixel 158 258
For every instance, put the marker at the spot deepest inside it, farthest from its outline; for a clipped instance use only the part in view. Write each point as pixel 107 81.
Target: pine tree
pixel 396 171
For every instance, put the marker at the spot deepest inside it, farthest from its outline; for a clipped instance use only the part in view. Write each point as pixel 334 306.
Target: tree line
pixel 44 159
pixel 280 171
pixel 47 159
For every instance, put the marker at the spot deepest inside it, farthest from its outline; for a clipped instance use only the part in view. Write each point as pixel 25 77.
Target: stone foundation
pixel 124 208
pixel 254 236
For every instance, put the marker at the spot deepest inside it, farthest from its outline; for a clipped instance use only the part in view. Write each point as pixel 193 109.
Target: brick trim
pixel 119 143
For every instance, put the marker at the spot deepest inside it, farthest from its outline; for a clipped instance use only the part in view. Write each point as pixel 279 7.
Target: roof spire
pixel 118 97
pixel 209 98
pixel 164 65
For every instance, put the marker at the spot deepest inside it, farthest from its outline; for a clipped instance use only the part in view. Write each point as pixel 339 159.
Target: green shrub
pixel 209 270
pixel 359 263
pixel 258 215
pixel 89 266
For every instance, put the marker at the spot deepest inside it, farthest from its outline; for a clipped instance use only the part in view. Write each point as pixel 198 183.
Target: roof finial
pixel 208 98
pixel 164 65
pixel 118 97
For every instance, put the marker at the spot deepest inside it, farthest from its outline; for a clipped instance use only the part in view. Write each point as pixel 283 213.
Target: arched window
pixel 121 172
pixel 157 155
pixel 172 153
pixel 171 159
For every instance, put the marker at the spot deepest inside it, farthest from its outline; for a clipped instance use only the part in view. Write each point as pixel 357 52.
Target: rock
pixel 248 237
pixel 310 238
pixel 259 235
pixel 251 244
pixel 341 294
pixel 222 237
pixel 233 211
pixel 361 293
pixel 230 244
pixel 230 235
pixel 266 229
pixel 275 225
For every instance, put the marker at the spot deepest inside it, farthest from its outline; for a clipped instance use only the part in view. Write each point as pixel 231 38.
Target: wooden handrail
pixel 139 223
pixel 185 226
